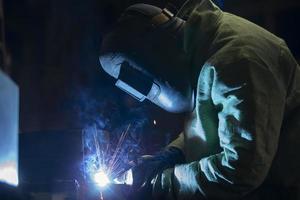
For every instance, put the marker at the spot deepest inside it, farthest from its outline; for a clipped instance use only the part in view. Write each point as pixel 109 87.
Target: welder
pixel 239 87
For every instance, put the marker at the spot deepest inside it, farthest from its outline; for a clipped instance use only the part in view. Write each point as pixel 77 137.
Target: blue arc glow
pixel 9 173
pixel 101 179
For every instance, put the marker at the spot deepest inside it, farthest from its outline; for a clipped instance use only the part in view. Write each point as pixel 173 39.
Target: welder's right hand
pixel 148 166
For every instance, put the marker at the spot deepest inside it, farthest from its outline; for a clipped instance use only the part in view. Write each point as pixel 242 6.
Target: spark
pixel 154 122
pixel 115 158
pixel 106 164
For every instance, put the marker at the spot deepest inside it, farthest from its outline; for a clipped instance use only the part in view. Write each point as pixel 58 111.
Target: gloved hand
pixel 146 169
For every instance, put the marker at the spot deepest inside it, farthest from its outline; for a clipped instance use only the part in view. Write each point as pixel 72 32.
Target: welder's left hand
pixel 148 167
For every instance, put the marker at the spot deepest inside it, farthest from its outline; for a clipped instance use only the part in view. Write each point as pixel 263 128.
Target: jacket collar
pixel 201 26
pixel 199 32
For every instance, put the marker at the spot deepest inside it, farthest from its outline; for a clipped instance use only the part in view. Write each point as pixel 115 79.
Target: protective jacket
pixel 242 140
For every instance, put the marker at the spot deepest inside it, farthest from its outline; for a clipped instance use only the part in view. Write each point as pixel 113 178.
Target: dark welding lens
pixel 134 82
pixel 130 90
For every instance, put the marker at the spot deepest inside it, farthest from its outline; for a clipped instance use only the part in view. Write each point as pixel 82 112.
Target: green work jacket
pixel 242 141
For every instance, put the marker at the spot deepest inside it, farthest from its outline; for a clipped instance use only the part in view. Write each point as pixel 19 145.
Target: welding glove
pixel 147 168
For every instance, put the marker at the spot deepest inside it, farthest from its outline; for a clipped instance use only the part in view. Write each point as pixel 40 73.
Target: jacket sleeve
pixel 252 104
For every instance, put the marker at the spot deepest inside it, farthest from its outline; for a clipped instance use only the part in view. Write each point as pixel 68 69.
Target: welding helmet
pixel 144 53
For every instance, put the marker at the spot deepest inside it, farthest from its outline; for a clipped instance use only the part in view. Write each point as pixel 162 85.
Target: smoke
pixel 112 132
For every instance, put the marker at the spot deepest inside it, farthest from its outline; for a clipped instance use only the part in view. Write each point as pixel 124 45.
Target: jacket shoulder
pixel 238 38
